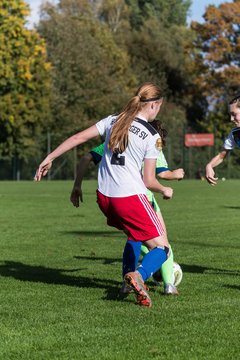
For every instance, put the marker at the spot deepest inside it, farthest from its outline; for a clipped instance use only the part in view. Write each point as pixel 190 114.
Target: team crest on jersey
pixel 159 144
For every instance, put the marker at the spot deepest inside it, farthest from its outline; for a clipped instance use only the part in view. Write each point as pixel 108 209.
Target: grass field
pixel 60 272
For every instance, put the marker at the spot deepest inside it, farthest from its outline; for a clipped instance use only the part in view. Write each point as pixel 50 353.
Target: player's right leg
pixel 136 215
pixel 150 264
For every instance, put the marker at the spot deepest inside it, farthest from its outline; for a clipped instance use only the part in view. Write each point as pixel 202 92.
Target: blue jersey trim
pixel 96 157
pixel 147 125
pixel 236 136
pixel 161 169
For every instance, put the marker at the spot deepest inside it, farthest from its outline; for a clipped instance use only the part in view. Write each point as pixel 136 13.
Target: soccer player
pixel 162 170
pixel 232 141
pixel 130 140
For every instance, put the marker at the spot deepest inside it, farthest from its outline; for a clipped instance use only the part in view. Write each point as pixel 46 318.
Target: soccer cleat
pixel 135 281
pixel 125 289
pixel 146 287
pixel 170 290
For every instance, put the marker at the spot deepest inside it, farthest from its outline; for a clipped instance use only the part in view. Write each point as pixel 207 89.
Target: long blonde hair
pixel 119 134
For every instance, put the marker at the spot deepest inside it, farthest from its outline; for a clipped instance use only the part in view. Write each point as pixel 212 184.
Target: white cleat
pixel 170 290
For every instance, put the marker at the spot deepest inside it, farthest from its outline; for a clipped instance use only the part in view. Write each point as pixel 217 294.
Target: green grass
pixel 60 271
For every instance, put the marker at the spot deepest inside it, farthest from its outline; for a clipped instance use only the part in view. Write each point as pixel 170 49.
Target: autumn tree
pixel 24 83
pixel 216 52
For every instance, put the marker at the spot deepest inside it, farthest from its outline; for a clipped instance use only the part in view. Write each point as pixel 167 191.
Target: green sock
pixel 144 250
pixel 167 269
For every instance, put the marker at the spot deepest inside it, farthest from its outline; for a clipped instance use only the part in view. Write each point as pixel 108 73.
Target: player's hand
pixel 75 196
pixel 210 177
pixel 178 174
pixel 167 193
pixel 212 180
pixel 43 169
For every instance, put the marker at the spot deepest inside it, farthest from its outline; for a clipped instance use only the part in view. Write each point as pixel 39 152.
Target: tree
pixel 168 13
pixel 155 35
pixel 102 50
pixel 217 61
pixel 114 13
pixel 24 83
pixel 215 68
pixel 91 74
pixel 158 54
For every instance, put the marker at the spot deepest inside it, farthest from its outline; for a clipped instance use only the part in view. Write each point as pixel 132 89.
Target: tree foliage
pixel 115 13
pixel 99 56
pixel 155 39
pixel 158 54
pixel 217 60
pixel 168 13
pixel 100 51
pixel 91 73
pixel 24 82
pixel 157 47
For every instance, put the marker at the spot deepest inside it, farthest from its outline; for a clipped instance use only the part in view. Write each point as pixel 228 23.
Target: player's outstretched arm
pixel 177 174
pixel 67 145
pixel 216 160
pixel 76 195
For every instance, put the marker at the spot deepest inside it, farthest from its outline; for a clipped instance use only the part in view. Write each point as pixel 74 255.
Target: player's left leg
pixel 131 254
pixel 165 274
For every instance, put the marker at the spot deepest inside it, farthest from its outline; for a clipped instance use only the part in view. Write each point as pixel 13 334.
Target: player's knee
pixel 166 249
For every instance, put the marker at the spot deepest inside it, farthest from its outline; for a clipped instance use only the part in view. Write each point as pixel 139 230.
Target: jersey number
pixel 118 159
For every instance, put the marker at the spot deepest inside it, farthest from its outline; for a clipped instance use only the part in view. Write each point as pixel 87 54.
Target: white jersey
pixel 120 175
pixel 233 139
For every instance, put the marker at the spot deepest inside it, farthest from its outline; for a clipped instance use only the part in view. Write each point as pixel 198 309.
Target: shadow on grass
pixel 204 269
pixel 41 274
pixel 235 287
pixel 186 268
pixel 112 234
pixel 232 207
pixel 106 261
pixel 207 244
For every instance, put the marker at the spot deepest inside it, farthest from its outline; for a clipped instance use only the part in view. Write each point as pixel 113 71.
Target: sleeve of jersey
pixel 103 124
pixel 229 143
pixel 97 153
pixel 161 164
pixel 152 152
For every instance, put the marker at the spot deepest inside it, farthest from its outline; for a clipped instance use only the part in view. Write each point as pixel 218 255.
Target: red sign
pixel 199 140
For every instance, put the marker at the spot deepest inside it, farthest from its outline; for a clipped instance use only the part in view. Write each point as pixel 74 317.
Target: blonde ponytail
pixel 119 135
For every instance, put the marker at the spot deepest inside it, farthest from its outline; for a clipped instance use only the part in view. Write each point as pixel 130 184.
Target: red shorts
pixel 132 213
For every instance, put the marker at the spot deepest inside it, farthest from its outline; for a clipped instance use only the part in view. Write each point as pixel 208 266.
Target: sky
pixel 197 9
